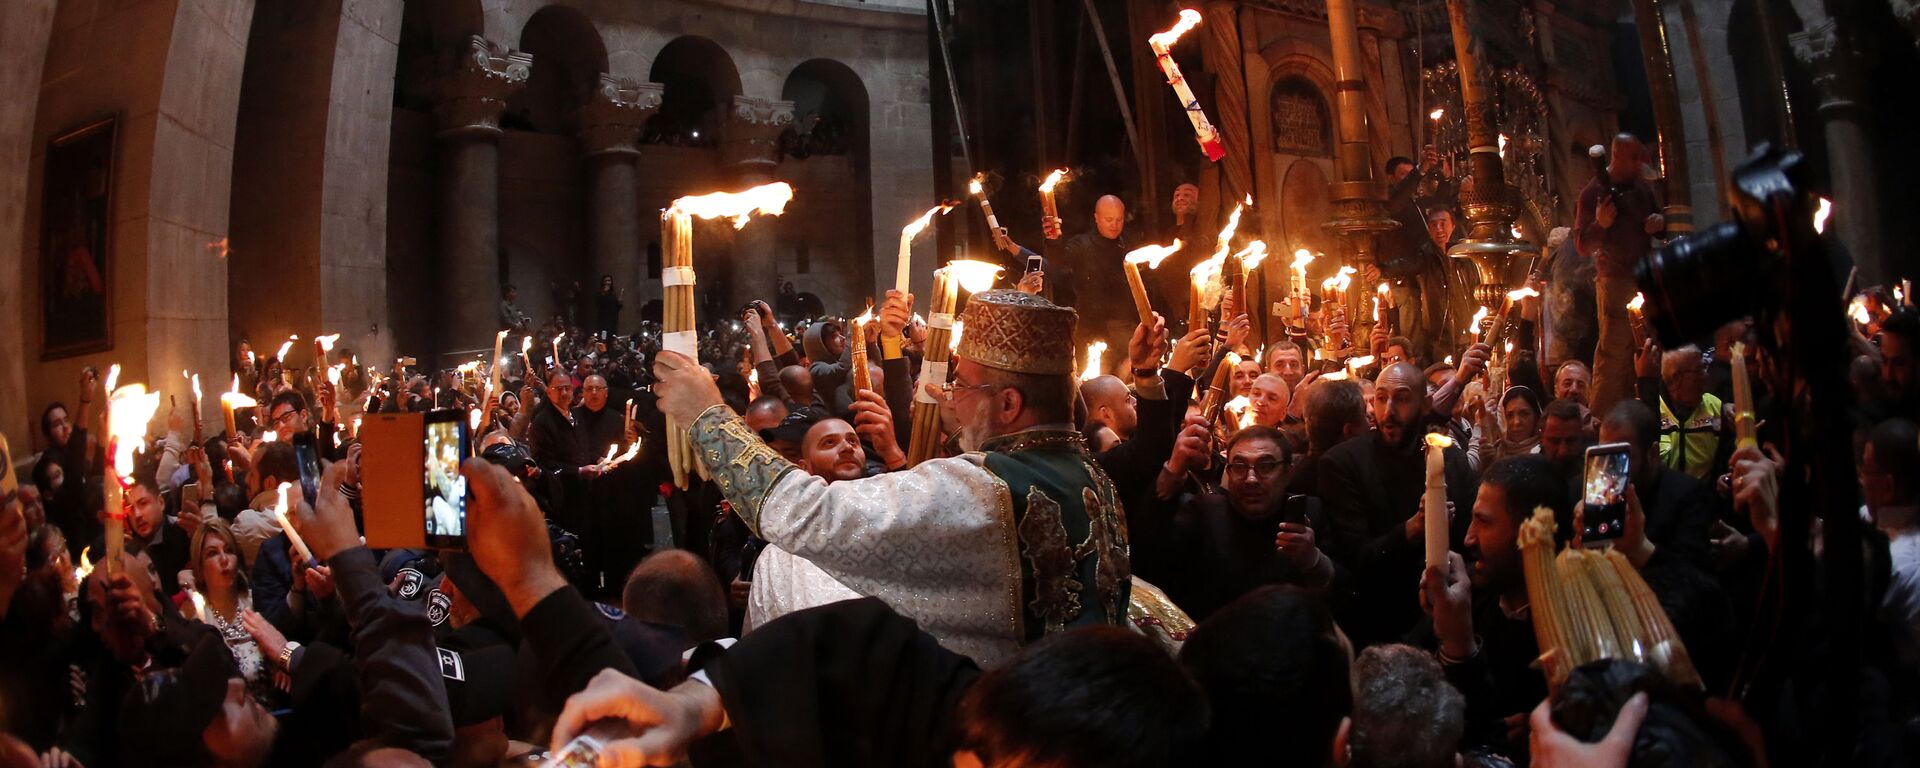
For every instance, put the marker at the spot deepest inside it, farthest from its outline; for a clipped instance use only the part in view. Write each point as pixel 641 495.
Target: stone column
pixel 1651 20
pixel 468 100
pixel 1834 61
pixel 610 129
pixel 750 152
pixel 1359 200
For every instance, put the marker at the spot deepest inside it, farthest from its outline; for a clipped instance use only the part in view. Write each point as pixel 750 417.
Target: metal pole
pixel 953 90
pixel 1651 21
pixel 1119 94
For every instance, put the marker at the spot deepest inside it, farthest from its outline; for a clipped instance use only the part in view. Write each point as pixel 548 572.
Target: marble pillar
pixel 468 100
pixel 750 152
pixel 1834 62
pixel 610 126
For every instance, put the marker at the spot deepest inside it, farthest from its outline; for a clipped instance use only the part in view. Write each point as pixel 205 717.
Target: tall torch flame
pixel 113 377
pixel 1639 300
pixel 1436 114
pixel 914 227
pixel 1479 316
pixel 286 347
pixel 1226 233
pixel 1152 255
pixel 975 276
pixel 959 327
pixel 1189 19
pixel 1340 281
pixel 1301 258
pixel 1526 292
pixel 974 187
pixel 1058 175
pixel 767 199
pixel 326 342
pixel 1252 255
pixel 1095 351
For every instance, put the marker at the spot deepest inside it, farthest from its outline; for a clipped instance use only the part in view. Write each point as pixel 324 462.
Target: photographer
pixel 1617 218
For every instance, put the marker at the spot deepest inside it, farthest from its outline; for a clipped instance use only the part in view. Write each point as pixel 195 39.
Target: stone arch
pixel 700 79
pixel 829 146
pixel 568 57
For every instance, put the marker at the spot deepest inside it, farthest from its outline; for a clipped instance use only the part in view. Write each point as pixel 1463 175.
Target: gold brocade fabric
pixel 1153 614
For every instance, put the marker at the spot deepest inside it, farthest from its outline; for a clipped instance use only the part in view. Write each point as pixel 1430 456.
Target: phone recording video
pixel 1605 493
pixel 307 455
pixel 1034 263
pixel 446 489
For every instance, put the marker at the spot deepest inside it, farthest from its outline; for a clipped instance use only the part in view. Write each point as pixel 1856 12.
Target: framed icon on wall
pixel 76 222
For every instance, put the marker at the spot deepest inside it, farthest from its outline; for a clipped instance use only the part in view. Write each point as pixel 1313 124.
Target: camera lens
pixel 1696 284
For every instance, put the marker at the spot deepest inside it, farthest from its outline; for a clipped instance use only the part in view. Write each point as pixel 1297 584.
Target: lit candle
pixel 129 409
pixel 1151 256
pixel 234 400
pixel 195 378
pixel 857 344
pixel 1049 211
pixel 904 269
pixel 1095 352
pixel 1635 320
pixel 1498 329
pixel 1162 45
pixel 1435 115
pixel 322 345
pixel 1744 427
pixel 293 537
pixel 1479 316
pixel 493 379
pixel 1435 501
pixel 977 189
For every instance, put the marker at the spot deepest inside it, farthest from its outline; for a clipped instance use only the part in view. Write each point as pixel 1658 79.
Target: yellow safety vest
pixel 1691 447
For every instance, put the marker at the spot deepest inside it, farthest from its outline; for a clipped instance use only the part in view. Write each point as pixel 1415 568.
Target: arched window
pixel 1301 125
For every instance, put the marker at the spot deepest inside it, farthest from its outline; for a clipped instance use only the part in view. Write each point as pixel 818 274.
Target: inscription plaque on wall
pixel 1300 121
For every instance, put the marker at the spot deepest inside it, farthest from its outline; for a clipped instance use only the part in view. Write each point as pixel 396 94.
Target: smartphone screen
pixel 446 489
pixel 308 457
pixel 1605 492
pixel 1034 263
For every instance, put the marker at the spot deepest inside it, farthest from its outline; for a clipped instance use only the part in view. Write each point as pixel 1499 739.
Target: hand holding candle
pixel 1151 256
pixel 1162 45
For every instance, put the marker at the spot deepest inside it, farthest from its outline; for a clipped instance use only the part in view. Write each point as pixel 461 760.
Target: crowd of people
pixel 1092 569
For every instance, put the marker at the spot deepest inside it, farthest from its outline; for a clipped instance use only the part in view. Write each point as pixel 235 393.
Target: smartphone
pixel 445 509
pixel 1034 263
pixel 1605 493
pixel 307 455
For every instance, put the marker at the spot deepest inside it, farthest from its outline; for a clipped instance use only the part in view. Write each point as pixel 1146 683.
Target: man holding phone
pixel 1678 507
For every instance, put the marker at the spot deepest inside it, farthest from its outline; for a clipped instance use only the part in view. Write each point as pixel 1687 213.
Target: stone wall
pixel 24 25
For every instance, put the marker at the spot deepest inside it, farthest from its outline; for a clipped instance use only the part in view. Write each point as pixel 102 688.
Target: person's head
pixel 606 283
pixel 273 464
pixel 216 558
pixel 1899 365
pixel 1625 158
pixel 1399 404
pixel 765 413
pixel 677 588
pixel 1286 360
pixel 1512 489
pixel 798 381
pixel 1520 413
pixel 1397 168
pixel 1096 696
pixel 788 438
pixel 833 451
pixel 287 414
pixel 1400 350
pixel 1437 375
pixel 583 367
pixel 989 402
pixel 1259 465
pixel 1336 411
pixel 1243 375
pixel 1405 713
pixel 1563 434
pixel 593 393
pixel 56 425
pixel 1440 226
pixel 560 389
pixel 1890 465
pixel 1635 423
pixel 198 712
pixel 1684 371
pixel 1110 403
pixel 1186 199
pixel 1571 381
pixel 1109 216
pixel 149 507
pixel 1274 667
pixel 1267 400
pixel 1013 369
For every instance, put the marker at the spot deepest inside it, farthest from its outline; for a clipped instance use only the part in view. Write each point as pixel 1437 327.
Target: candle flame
pixel 1509 349
pixel 113 377
pixel 1206 274
pixel 1301 258
pixel 1479 316
pixel 467 367
pixel 1639 300
pixel 326 342
pixel 1436 114
pixel 1357 363
pixel 914 227
pixel 959 327
pixel 86 564
pixel 1242 410
pixel 974 186
pixel 975 276
pixel 1095 351
pixel 1226 233
pixel 1858 310
pixel 285 347
pixel 128 411
pixel 473 420
pixel 768 199
pixel 1898 297
pixel 1232 360
pixel 1449 360
pixel 199 604
pixel 1252 255
pixel 526 346
pixel 1335 376
pixel 1821 214
pixel 333 373
pixel 1525 292
pixel 1340 281
pixel 1438 440
pixel 280 507
pixel 195 378
pixel 1503 145
pixel 1152 255
pixel 865 317
pixel 1161 41
pixel 1058 175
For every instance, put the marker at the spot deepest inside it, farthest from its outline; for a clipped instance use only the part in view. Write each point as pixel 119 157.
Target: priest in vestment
pixel 1021 536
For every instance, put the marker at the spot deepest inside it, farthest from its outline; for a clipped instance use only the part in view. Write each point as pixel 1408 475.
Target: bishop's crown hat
pixel 1018 332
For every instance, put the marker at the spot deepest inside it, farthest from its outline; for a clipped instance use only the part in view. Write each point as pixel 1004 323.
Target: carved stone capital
pixel 1830 57
pixel 751 134
pixel 610 123
pixel 469 98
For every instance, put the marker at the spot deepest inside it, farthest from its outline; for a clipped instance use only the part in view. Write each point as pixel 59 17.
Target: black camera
pixel 1736 268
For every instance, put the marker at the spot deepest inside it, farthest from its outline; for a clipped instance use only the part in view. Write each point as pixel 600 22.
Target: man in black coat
pixel 1679 507
pixel 149 532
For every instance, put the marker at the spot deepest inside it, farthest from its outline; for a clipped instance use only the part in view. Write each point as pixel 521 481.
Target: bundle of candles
pixel 942 339
pixel 679 330
pixel 1215 401
pixel 857 345
pixel 1162 45
pixel 1209 279
pixel 129 408
pixel 1590 605
pixel 1498 329
pixel 1049 208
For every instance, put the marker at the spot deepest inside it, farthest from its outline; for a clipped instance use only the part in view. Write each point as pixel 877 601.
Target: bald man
pixel 1267 399
pixel 1110 404
pixel 1372 486
pixel 1087 276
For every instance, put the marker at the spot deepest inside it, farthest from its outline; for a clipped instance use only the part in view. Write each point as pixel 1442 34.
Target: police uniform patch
pixel 438 606
pixel 410 580
pixel 612 613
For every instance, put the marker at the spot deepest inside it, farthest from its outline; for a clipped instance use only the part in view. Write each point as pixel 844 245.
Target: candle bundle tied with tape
pixel 942 341
pixel 903 271
pixel 1590 605
pixel 1498 330
pixel 1162 45
pixel 129 408
pixel 857 345
pixel 679 328
pixel 1049 208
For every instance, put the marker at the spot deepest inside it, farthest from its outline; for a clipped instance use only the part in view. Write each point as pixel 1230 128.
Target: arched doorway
pixel 825 156
pixel 699 79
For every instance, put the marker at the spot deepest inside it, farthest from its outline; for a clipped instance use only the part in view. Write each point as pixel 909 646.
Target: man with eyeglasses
pixel 1021 537
pixel 1246 534
pixel 287 415
pixel 1372 486
pixel 555 439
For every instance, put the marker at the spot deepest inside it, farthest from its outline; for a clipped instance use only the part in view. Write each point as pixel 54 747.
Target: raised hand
pixel 1143 350
pixel 1554 748
pixel 508 538
pixel 685 389
pixel 664 722
pixel 873 420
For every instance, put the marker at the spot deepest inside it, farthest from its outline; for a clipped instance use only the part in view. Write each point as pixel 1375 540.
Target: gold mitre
pixel 1018 332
